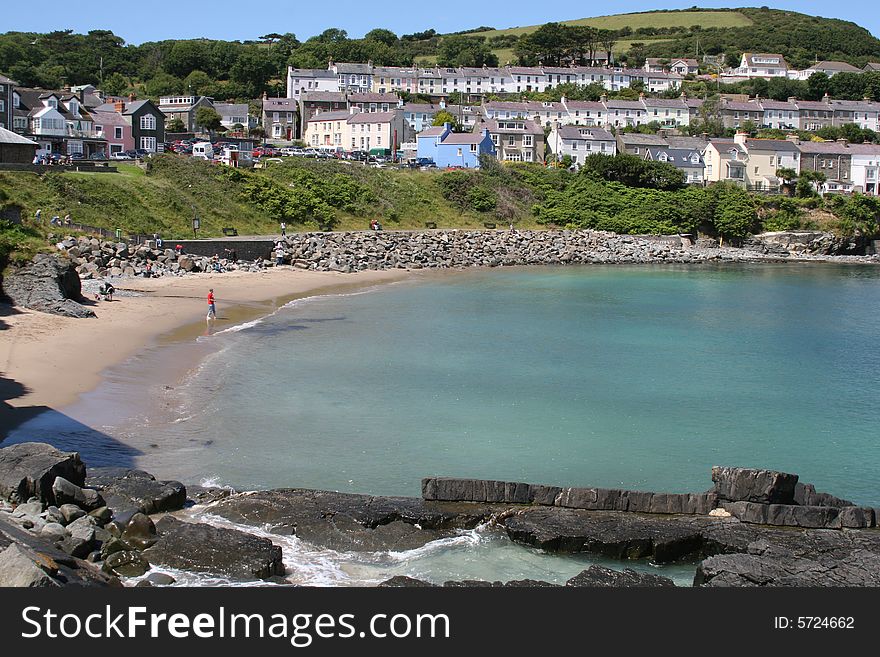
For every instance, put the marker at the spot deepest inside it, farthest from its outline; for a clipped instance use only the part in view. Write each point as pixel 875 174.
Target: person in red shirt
pixel 212 308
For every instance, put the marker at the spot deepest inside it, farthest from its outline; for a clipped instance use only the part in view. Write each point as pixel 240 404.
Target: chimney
pixel 844 141
pixel 793 138
pixel 641 95
pixel 131 98
pixel 443 103
pixel 826 98
pixel 562 100
pixel 683 95
pixel 740 138
pixel 792 99
pixel 603 98
pixel 265 95
pixel 119 106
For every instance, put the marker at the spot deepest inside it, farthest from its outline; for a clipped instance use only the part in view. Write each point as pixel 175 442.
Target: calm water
pixel 636 377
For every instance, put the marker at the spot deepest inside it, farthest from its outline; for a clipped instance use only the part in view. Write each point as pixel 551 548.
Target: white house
pixel 762 65
pixel 301 81
pixel 579 142
pixel 866 168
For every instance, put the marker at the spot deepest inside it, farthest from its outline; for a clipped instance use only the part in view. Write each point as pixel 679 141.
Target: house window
pixel 117 132
pixel 98 128
pixel 148 122
pixel 527 140
pixel 149 143
pixel 473 148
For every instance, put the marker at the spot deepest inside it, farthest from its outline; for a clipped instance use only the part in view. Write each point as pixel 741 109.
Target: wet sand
pixel 47 362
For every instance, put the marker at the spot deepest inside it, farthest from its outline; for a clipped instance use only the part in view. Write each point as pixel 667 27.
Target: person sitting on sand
pixel 106 290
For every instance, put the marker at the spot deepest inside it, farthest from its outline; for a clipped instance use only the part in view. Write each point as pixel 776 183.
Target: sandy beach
pixel 47 361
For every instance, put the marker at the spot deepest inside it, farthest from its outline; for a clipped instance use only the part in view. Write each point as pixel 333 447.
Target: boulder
pixel 601 576
pixel 134 490
pixel 161 579
pixel 750 485
pixel 611 533
pixel 402 581
pixel 48 283
pixel 53 531
pixel 140 532
pixel 126 563
pixel 30 469
pixel 20 568
pixel 71 512
pixel 68 493
pixel 199 547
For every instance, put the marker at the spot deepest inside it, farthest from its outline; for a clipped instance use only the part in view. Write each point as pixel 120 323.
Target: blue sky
pixel 225 19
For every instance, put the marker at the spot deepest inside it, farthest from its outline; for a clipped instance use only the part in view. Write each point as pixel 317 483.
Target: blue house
pixel 454 149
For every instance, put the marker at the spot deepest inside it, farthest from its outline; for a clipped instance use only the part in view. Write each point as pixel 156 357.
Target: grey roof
pixel 131 108
pixel 372 117
pixel 676 103
pixel 625 104
pixel 5 80
pixel 584 105
pixel 464 138
pixel 338 115
pixel 421 107
pixel 9 137
pixel 638 139
pixel 287 103
pixel 354 67
pixel 825 148
pixel 680 157
pixel 231 108
pixel 838 67
pixel 433 131
pixel 772 145
pixel 370 97
pixel 311 73
pixel 693 143
pixel 324 97
pixel 529 127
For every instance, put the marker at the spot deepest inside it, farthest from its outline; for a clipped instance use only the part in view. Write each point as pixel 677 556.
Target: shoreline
pixel 48 362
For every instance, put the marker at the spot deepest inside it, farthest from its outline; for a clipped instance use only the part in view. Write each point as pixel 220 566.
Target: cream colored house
pixel 353 130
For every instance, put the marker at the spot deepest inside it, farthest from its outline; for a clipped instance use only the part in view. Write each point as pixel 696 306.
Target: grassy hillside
pixel 652 19
pixel 308 194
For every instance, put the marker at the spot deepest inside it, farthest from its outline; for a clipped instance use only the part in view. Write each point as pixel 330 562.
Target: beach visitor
pixel 158 240
pixel 38 216
pixel 178 249
pixel 279 255
pixel 67 220
pixel 212 308
pixel 283 229
pixel 55 220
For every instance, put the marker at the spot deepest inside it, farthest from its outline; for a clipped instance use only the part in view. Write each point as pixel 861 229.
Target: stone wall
pixel 442 489
pixel 764 497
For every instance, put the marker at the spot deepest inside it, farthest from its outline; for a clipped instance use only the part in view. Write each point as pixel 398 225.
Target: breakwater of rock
pixel 435 249
pixel 63 525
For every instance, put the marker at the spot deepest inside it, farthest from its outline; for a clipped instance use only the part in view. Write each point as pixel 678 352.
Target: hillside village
pixel 449 117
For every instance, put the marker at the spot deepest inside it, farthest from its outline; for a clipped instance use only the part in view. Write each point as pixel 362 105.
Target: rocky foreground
pixel 61 525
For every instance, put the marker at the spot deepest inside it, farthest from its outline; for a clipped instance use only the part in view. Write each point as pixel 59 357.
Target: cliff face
pixel 48 283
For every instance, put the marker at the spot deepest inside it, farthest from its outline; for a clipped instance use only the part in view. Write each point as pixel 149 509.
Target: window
pixel 149 143
pixel 148 122
pixel 473 148
pixel 117 132
pixel 527 140
pixel 98 128
pixel 2 105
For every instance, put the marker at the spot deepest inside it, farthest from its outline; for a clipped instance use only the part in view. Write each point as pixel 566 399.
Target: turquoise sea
pixel 641 377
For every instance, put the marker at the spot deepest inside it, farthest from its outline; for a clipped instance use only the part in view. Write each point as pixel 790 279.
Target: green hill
pixel 650 19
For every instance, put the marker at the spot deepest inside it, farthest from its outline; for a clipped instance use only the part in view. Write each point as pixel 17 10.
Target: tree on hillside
pixel 735 213
pixel 208 119
pixel 788 176
pixel 465 51
pixel 443 117
pixel 387 37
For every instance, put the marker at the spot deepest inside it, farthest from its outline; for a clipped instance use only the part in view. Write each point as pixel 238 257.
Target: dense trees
pixel 465 51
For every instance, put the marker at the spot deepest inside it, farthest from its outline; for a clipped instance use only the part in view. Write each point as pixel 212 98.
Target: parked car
pixel 98 157
pixel 121 155
pixel 77 156
pixel 142 153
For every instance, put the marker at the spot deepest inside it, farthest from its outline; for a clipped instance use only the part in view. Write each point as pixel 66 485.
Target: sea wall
pixel 434 249
pixel 764 497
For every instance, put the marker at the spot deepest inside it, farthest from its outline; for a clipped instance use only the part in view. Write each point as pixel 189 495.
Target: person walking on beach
pixel 212 308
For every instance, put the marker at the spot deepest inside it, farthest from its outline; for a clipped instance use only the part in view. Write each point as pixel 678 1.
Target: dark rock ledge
pixel 62 526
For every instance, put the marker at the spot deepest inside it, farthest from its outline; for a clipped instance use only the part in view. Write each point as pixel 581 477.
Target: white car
pixel 120 155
